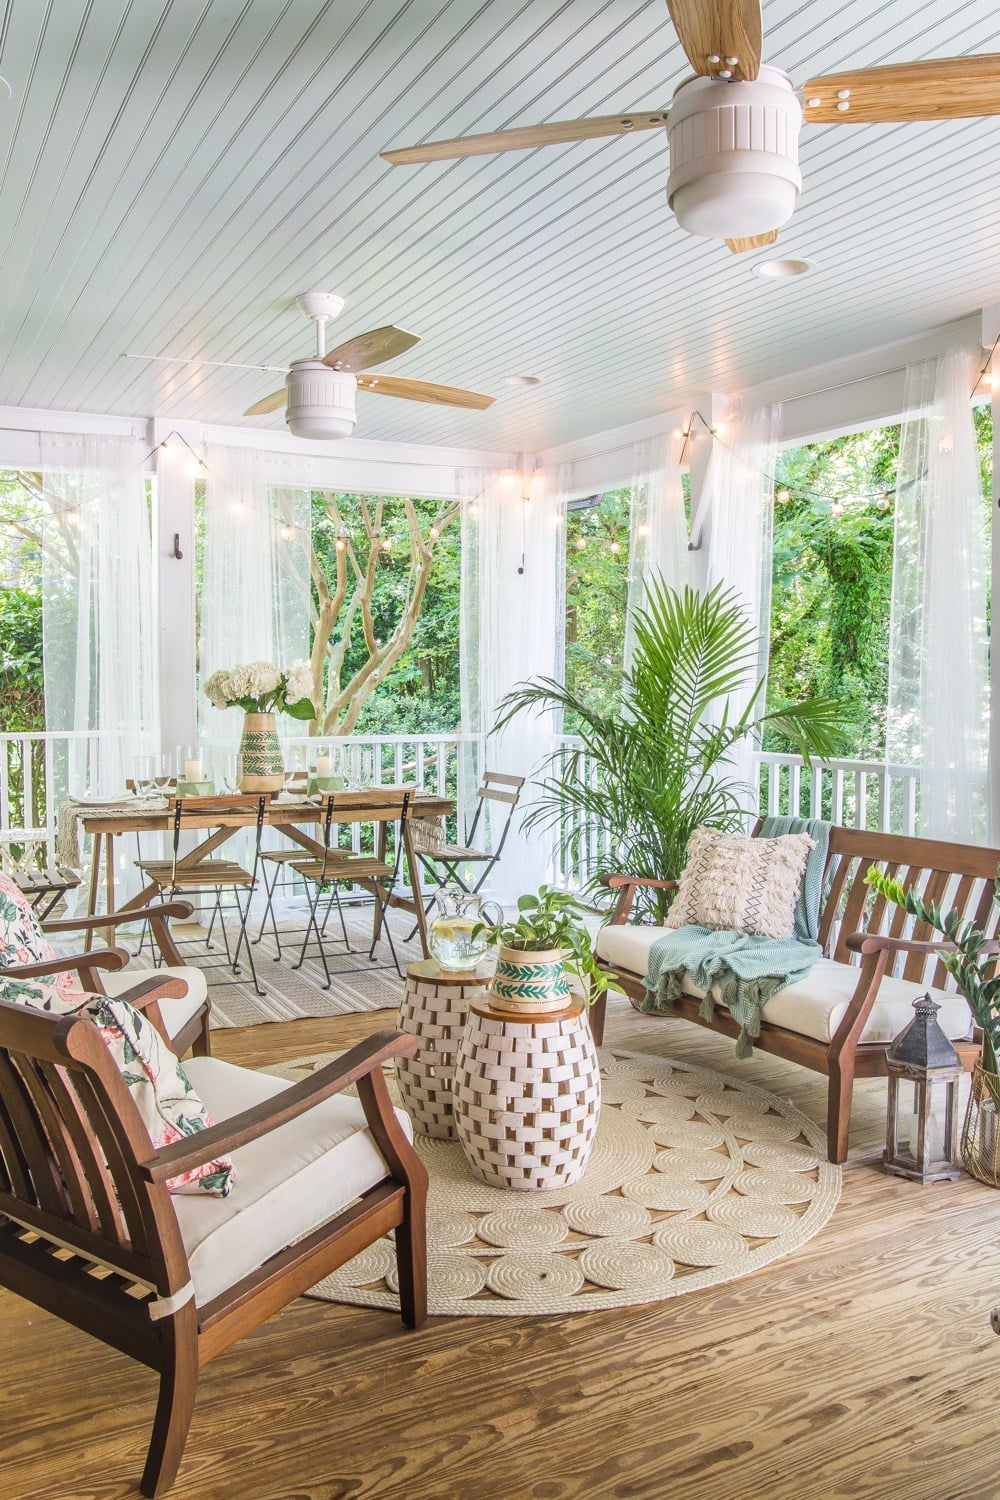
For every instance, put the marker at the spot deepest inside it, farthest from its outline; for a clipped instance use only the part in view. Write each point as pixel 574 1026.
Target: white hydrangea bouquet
pixel 259 687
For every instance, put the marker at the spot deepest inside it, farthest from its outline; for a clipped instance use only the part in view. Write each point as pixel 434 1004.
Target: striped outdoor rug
pixel 291 994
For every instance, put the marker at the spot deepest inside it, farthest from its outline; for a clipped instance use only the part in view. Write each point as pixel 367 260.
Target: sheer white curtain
pixel 738 503
pixel 938 649
pixel 99 612
pixel 255 585
pixel 658 534
pixel 513 602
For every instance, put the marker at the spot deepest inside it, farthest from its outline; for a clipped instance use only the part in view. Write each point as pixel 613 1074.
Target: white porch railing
pixel 855 793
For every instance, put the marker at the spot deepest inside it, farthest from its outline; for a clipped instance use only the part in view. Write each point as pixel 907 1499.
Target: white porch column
pixel 174 515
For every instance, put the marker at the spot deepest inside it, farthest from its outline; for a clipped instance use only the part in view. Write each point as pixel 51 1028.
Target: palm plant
pixel 651 771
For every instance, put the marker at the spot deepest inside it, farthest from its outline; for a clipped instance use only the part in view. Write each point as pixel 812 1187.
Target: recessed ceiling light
pixel 778 270
pixel 522 380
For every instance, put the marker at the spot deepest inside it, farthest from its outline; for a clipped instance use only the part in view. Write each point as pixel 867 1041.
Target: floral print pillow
pixel 165 1097
pixel 22 941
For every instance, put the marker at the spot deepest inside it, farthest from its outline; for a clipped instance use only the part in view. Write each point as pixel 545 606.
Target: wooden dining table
pixel 286 816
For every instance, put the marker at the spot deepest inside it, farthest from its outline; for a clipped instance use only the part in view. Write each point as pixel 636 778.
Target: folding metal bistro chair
pixel 324 875
pixel 177 877
pixel 442 860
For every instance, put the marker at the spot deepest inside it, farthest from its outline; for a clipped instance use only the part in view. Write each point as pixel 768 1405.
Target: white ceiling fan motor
pixel 321 400
pixel 734 155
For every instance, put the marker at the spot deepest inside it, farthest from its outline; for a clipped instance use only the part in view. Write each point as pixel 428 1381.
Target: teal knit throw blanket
pixel 747 970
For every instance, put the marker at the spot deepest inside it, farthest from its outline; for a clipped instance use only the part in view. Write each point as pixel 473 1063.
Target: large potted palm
pixel 659 765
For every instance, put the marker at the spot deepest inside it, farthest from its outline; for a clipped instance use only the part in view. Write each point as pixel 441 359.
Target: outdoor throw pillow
pixel 163 1093
pixel 736 884
pixel 22 941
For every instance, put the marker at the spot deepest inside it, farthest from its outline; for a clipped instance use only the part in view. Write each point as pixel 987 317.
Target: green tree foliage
pixel 597 557
pixel 22 694
pixel 832 575
pixel 420 693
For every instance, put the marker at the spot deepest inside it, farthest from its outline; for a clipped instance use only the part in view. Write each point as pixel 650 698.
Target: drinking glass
pixel 143 775
pixel 162 771
pixel 294 759
pixel 232 771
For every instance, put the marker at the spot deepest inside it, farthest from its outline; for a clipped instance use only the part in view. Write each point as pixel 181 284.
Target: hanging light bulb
pixel 473 508
pixel 386 544
pixel 837 509
pixel 883 502
pixel 341 544
pixel 616 548
pixel 435 532
pixel 783 496
pixel 581 543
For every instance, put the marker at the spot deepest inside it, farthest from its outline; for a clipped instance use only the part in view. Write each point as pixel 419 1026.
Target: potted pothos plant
pixel 540 951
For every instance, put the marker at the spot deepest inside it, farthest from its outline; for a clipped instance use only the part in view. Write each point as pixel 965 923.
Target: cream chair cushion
pixel 816 1005
pixel 288 1182
pixel 175 1013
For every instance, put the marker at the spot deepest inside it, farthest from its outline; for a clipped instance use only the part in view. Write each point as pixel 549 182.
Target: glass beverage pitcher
pixel 450 935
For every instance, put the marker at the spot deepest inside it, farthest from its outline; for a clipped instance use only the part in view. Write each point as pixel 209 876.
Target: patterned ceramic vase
pixel 263 769
pixel 530 983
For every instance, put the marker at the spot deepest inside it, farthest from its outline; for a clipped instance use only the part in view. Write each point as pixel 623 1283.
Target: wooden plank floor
pixel 863 1366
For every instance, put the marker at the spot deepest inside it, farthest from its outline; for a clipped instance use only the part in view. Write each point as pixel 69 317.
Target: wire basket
pixel 981 1130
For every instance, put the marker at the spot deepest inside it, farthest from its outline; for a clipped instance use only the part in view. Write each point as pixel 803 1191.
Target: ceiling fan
pixel 733 129
pixel 319 392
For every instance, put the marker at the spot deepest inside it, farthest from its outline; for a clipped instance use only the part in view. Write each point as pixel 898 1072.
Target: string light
pixel 473 508
pixel 435 532
pixel 616 548
pixel 581 544
pixel 197 464
pixel 837 509
pixel 387 544
pixel 783 496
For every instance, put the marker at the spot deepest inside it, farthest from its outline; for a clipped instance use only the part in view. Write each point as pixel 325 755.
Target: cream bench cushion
pixel 288 1182
pixel 175 1013
pixel 816 1005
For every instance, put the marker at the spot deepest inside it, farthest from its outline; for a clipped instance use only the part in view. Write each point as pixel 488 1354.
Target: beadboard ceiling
pixel 175 171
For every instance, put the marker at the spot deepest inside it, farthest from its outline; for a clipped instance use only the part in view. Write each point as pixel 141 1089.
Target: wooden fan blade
pixel 521 139
pixel 371 348
pixel 943 88
pixel 423 390
pixel 723 30
pixel 269 403
pixel 753 242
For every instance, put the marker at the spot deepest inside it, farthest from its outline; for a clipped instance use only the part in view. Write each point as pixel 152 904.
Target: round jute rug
pixel 695 1178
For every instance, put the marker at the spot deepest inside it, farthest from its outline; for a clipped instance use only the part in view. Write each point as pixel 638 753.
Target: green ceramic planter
pixel 529 983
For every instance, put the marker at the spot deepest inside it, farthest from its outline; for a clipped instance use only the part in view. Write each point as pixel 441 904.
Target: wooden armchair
pixel 182 1016
pixel 180 1277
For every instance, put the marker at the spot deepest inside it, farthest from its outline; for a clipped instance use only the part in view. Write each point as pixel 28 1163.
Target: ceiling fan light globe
pixel 734 205
pixel 734 155
pixel 321 401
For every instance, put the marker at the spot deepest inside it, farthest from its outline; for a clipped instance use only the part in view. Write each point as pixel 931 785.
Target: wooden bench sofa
pixel 876 962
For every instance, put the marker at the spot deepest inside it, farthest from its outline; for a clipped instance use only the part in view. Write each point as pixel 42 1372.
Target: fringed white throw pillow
pixel 737 884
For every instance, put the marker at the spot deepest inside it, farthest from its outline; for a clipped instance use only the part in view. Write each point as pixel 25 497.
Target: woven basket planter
pixel 981 1131
pixel 530 983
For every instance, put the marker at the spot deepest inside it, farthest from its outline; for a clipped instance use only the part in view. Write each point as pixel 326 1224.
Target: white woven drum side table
pixel 527 1096
pixel 433 1008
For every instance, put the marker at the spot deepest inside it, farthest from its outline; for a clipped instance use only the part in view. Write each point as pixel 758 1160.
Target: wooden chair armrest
pixel 250 1124
pixel 100 958
pixel 863 942
pixel 626 886
pixel 147 991
pixel 180 909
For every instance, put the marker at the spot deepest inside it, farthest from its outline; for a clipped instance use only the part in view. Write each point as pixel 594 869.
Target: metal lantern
pixel 922 1127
